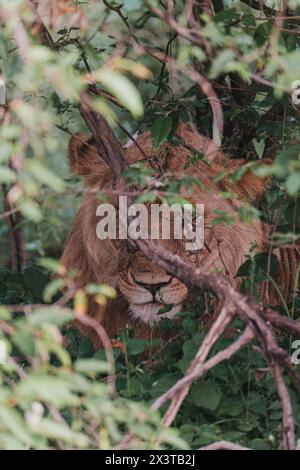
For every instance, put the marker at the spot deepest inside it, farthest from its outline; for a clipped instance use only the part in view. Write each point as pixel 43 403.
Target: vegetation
pixel 230 67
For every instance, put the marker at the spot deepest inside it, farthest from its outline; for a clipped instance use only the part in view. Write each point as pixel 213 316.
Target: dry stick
pixel 223 355
pixel 8 213
pixel 95 90
pixel 224 445
pixel 38 27
pixel 10 230
pixel 287 411
pixel 269 12
pixel 248 312
pixel 194 36
pixel 245 306
pixel 288 422
pixel 107 145
pixel 213 100
pixel 194 8
pixel 202 367
pixel 104 338
pixel 15 233
pixel 205 86
pixel 279 321
pixel 20 241
pixel 210 339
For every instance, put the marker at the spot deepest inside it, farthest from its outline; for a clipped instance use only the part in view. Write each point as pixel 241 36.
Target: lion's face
pixel 148 293
pixel 151 293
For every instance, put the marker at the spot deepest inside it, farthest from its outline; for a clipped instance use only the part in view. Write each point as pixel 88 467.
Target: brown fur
pixel 108 261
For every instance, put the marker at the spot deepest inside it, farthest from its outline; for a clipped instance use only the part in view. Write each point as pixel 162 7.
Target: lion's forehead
pixel 140 263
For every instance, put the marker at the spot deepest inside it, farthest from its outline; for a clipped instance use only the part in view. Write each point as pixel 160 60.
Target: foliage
pixel 53 392
pixel 50 400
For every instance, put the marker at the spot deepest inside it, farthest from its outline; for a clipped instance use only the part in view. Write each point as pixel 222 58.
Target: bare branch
pixel 108 146
pixel 196 365
pixel 199 368
pixel 288 431
pixel 224 445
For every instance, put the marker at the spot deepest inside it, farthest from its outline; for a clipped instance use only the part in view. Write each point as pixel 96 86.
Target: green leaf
pixel 53 315
pixel 12 420
pixel 31 210
pixel 261 261
pixel 91 366
pixel 249 20
pixel 146 197
pixel 160 131
pixel 231 407
pixel 44 175
pixel 259 146
pixel 166 308
pixel 283 158
pixel 61 431
pixel 293 183
pixel 164 383
pixel 259 444
pixel 54 390
pixel 51 264
pixel 7 175
pixel 257 404
pixel 226 15
pixel 102 107
pixel 52 289
pixel 85 347
pixel 24 341
pixel 224 62
pixel 238 174
pixel 123 89
pixel 102 289
pixel 132 5
pixel 135 346
pixel 170 436
pixel 206 394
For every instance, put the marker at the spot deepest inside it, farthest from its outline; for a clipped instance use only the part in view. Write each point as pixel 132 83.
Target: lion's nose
pixel 153 288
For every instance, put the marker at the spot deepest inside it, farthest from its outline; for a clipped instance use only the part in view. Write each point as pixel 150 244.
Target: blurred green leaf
pixel 7 175
pixel 31 210
pixel 53 315
pixel 44 175
pixel 122 88
pixel 91 366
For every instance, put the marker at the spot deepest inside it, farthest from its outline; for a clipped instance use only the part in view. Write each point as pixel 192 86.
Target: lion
pixel 144 289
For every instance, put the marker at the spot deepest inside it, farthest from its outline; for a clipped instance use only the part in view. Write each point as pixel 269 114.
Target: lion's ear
pixel 82 154
pixel 85 160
